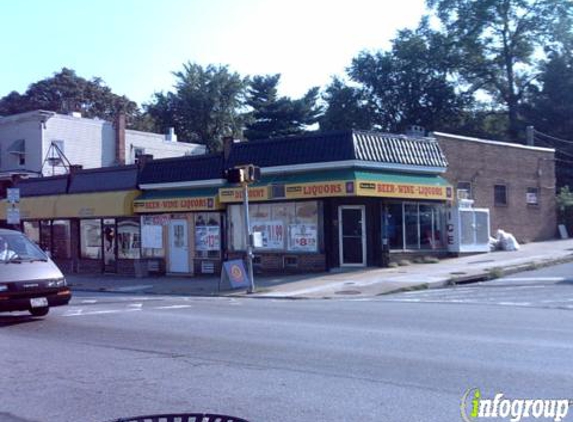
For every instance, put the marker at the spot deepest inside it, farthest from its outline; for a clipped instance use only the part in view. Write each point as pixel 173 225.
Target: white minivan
pixel 29 279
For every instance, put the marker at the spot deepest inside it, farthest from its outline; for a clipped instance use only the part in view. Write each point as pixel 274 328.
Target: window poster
pixel 207 238
pixel 152 236
pixel 303 238
pixel 272 233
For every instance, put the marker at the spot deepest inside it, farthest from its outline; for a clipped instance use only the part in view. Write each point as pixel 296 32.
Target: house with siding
pixel 28 143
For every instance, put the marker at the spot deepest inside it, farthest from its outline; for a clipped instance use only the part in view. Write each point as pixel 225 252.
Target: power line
pixel 553 137
pixel 558 151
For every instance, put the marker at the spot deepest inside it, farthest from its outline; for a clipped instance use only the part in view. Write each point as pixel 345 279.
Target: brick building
pixel 516 182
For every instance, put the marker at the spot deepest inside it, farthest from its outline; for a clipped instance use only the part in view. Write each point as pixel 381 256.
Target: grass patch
pixel 494 273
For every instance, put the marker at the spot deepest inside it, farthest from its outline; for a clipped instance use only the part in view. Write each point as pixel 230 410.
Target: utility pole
pixel 245 175
pixel 529 138
pixel 249 237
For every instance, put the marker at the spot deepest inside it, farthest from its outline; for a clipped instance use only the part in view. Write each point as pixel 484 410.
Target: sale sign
pixel 303 237
pixel 207 238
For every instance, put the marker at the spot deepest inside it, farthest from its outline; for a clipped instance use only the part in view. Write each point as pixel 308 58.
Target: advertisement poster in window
pixel 272 233
pixel 152 236
pixel 207 238
pixel 303 238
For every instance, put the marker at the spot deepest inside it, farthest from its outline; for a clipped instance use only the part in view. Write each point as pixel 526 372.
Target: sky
pixel 135 45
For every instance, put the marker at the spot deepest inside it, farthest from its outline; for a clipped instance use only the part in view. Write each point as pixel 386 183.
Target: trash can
pixel 182 417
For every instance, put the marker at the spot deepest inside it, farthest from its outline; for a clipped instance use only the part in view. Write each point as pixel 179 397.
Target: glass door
pixel 352 235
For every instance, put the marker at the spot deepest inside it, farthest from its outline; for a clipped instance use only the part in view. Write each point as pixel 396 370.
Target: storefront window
pixel 61 239
pixel 46 236
pixel 287 226
pixel 208 235
pixel 422 225
pixel 395 226
pixel 128 239
pixel 411 226
pixel 32 230
pixel 90 239
pixel 152 245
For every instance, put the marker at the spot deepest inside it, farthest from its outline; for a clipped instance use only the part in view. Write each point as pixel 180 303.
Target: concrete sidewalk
pixel 357 283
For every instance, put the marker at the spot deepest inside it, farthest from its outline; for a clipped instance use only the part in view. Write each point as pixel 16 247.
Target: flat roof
pixel 490 142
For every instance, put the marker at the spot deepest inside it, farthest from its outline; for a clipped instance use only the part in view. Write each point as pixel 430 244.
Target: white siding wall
pixel 30 131
pixel 157 145
pixel 87 142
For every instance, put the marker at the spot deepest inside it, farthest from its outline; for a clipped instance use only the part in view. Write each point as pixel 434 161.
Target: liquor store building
pixel 182 218
pixel 339 199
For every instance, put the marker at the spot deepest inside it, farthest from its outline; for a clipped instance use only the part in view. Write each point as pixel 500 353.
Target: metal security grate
pixel 182 417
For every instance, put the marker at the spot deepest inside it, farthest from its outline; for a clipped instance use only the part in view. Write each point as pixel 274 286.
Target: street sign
pixel 13 215
pixel 234 274
pixel 13 195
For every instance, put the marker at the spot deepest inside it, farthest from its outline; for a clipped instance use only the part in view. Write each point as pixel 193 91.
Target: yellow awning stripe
pixel 85 205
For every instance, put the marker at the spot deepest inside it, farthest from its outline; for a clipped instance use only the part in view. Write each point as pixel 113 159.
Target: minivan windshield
pixel 17 247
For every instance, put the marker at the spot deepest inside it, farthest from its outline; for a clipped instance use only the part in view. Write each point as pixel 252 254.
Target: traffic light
pixel 253 173
pixel 235 175
pixel 244 174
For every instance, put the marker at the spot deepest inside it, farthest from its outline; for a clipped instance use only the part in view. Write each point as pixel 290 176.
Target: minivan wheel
pixel 40 311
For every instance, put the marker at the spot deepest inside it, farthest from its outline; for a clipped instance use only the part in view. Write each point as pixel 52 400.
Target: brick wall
pixel 486 163
pixel 268 263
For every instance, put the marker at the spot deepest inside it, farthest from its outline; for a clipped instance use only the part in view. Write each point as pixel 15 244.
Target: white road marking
pixel 135 305
pixel 516 279
pixel 89 301
pixel 133 288
pixel 173 307
pixel 513 303
pixel 103 312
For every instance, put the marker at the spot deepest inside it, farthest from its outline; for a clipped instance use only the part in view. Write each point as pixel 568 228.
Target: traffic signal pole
pixel 249 239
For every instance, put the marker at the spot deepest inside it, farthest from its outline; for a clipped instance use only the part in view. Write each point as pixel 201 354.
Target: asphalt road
pixel 383 359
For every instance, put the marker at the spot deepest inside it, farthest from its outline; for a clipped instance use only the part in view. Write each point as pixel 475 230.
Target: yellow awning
pixel 84 205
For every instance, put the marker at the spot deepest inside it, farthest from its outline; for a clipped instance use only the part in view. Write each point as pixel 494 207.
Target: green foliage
pixel 565 207
pixel 496 42
pixel 272 116
pixel 347 108
pixel 66 92
pixel 205 105
pixel 408 85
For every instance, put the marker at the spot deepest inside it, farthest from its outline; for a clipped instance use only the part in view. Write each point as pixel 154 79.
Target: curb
pixel 482 276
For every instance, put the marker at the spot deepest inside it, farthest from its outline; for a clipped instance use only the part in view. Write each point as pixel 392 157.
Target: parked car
pixel 29 279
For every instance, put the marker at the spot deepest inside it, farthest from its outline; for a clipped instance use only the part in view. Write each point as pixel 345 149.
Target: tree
pixel 408 85
pixel 347 108
pixel 496 42
pixel 205 106
pixel 66 92
pixel 274 116
pixel 549 108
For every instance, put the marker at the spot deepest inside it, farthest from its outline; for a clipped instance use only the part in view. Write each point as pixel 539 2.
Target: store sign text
pixel 182 204
pixel 403 190
pixel 236 195
pixel 318 190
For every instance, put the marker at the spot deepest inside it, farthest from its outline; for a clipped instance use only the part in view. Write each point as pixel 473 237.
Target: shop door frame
pixel 181 264
pixel 362 209
pixel 109 266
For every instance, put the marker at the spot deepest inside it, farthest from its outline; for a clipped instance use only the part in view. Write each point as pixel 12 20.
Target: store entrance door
pixel 178 247
pixel 109 246
pixel 352 235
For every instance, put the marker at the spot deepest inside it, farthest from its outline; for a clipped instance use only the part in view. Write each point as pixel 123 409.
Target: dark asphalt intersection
pixel 408 356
